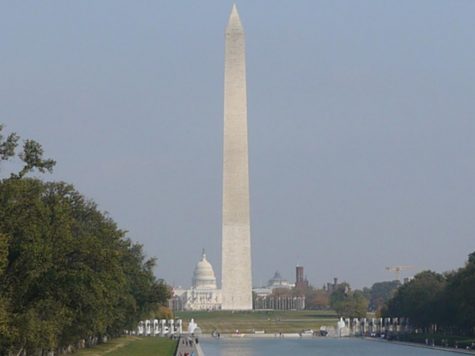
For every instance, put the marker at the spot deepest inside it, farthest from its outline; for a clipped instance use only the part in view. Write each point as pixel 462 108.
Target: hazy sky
pixel 361 126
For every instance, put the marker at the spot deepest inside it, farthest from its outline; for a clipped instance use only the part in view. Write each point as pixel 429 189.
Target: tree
pixel 8 145
pixel 347 303
pixel 436 301
pixel 458 299
pixel 359 304
pixel 69 273
pixel 3 300
pixel 380 293
pixel 31 154
pixel 317 299
pixel 418 299
pixel 66 271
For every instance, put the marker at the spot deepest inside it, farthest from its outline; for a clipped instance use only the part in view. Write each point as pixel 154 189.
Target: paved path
pixel 189 346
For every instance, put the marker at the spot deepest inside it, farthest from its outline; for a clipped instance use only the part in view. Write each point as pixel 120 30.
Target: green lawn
pixel 133 345
pixel 269 321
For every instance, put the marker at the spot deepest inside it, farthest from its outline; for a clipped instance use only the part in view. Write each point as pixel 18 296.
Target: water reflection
pixel 233 351
pixel 233 347
pixel 309 347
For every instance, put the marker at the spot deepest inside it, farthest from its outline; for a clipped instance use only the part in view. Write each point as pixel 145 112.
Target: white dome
pixel 203 276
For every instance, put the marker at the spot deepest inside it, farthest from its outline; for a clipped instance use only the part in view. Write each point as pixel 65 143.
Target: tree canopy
pixel 380 293
pixel 67 272
pixel 433 301
pixel 347 302
pixel 31 154
pixel 418 298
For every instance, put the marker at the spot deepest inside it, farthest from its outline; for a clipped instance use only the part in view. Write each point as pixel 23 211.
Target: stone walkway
pixel 189 346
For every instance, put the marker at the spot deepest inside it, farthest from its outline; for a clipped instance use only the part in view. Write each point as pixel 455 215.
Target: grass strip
pixel 133 345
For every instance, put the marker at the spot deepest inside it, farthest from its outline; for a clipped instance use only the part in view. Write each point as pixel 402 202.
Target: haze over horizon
pixel 361 126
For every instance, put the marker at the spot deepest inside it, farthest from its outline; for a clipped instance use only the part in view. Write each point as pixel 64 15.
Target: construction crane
pixel 397 270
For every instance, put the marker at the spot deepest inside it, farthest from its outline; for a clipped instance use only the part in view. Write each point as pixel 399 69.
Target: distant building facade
pixel 277 295
pixel 299 276
pixel 284 302
pixel 203 295
pixel 278 282
pixel 331 287
pixel 300 280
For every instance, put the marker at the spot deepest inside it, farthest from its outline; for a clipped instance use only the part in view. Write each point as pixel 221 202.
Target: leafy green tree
pixel 380 293
pixel 3 300
pixel 439 302
pixel 69 273
pixel 7 145
pixel 418 299
pixel 340 293
pixel 31 154
pixel 66 271
pixel 359 304
pixel 458 300
pixel 348 303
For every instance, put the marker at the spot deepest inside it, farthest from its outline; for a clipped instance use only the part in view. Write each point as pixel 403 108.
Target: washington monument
pixel 236 244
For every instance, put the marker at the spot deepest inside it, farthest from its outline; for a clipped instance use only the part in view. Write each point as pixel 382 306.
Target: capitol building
pixel 203 294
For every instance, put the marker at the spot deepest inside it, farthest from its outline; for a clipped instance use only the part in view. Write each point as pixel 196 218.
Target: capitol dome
pixel 203 276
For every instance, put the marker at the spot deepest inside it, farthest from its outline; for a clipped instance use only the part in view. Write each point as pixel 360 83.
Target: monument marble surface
pixel 236 235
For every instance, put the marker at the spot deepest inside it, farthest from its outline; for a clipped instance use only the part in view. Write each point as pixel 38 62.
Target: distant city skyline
pixel 361 126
